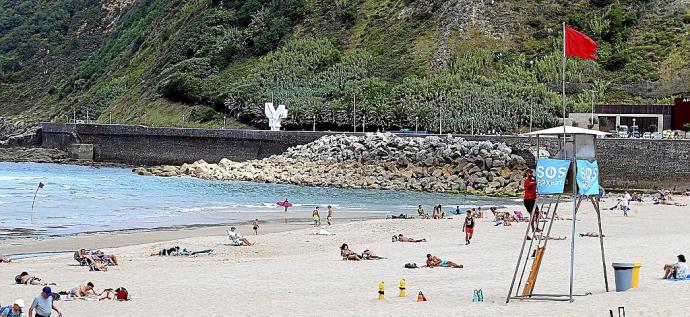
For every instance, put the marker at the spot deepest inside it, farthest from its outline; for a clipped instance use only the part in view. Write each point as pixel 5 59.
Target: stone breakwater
pixel 375 161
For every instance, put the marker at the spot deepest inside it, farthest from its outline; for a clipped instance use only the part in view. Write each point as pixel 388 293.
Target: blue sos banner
pixel 551 175
pixel 587 178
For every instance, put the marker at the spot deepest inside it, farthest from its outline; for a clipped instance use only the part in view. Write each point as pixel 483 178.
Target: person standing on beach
pixel 286 203
pixel 43 304
pixel 255 226
pixel 625 203
pixel 530 197
pixel 329 217
pixel 468 227
pixel 316 217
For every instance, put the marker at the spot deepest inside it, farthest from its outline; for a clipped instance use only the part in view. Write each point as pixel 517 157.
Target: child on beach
pixel 316 217
pixel 468 227
pixel 255 226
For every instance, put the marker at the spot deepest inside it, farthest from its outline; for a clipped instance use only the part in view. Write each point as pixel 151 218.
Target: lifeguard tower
pixel 575 164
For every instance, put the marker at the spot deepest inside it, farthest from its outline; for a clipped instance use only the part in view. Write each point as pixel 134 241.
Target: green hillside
pixel 479 64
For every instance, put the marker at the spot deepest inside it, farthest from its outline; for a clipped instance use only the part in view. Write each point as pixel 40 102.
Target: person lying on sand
pixel 348 254
pixel 434 261
pixel 368 255
pixel 678 271
pixel 24 278
pixel 591 234
pixel 106 294
pixel 4 259
pixel 550 237
pixel 402 238
pixel 83 291
pixel 167 252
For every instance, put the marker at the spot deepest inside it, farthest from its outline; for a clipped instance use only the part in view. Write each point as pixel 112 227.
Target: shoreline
pixel 135 236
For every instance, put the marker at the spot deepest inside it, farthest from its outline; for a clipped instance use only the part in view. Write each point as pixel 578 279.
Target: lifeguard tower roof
pixel 568 130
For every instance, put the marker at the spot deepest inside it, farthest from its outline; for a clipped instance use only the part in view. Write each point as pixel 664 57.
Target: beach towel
pixel 687 278
pixel 322 232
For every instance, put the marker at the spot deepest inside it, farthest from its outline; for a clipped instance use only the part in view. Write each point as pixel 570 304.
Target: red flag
pixel 578 44
pixel 40 185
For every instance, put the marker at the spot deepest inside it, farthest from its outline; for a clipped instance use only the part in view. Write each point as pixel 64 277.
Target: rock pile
pixel 19 134
pixel 379 161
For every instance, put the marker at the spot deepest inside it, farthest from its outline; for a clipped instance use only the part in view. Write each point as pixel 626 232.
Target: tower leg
pixel 517 265
pixel 595 202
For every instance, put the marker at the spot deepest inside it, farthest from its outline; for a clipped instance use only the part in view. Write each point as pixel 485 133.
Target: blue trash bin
pixel 623 273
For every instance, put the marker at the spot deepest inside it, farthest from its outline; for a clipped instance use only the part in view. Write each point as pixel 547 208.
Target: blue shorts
pixel 444 263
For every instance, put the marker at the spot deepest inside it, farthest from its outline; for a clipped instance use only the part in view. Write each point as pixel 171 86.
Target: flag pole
pixel 32 204
pixel 563 86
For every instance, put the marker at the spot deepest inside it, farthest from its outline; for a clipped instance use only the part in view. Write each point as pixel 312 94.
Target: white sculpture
pixel 275 115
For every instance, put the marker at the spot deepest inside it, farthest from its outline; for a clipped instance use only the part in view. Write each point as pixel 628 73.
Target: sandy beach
pixel 289 272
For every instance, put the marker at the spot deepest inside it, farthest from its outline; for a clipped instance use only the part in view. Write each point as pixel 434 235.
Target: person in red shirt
pixel 530 198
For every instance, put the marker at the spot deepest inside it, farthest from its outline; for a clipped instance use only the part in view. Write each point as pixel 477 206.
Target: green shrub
pixel 204 114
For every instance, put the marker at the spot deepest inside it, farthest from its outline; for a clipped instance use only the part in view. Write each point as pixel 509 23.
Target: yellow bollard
pixel 636 274
pixel 381 287
pixel 403 291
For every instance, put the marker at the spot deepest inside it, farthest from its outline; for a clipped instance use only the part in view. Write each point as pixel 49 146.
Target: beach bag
pixel 121 294
pixel 411 266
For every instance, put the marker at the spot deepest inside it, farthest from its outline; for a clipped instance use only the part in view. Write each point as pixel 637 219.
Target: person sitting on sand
pixel 4 259
pixel 507 219
pixel 236 237
pixel 402 238
pixel 434 261
pixel 369 255
pixel 16 310
pixel 686 192
pixel 678 271
pixel 591 235
pixel 167 252
pixel 82 291
pixel 422 213
pixel 348 254
pixel 24 278
pixel 108 258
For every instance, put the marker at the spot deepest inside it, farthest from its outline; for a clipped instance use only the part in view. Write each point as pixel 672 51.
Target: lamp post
pixel 354 112
pixel 416 124
pixel 224 118
pixel 531 113
pixel 313 128
pixel 110 117
pixel 440 131
pixel 594 91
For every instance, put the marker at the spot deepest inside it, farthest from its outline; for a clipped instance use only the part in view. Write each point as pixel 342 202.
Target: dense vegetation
pixel 384 64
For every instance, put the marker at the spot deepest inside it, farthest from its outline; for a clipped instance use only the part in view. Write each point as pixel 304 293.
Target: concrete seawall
pixel 625 163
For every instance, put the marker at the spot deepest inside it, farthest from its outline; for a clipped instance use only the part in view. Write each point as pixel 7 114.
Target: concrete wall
pixel 625 163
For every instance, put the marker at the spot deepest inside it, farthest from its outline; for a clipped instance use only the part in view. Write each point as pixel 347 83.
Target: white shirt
pixel 681 270
pixel 626 200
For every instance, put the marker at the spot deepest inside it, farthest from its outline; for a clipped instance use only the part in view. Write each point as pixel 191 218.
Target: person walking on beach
pixel 329 217
pixel 316 217
pixel 255 226
pixel 625 203
pixel 468 227
pixel 43 304
pixel 530 197
pixel 286 204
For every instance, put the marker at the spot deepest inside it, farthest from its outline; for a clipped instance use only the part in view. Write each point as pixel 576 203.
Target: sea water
pixel 79 199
